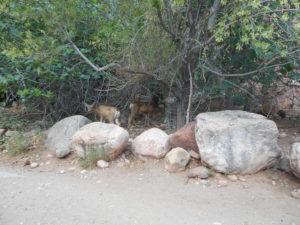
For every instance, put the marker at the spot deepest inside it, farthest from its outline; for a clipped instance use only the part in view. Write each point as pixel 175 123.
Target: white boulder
pixel 176 160
pixel 237 142
pixel 109 139
pixel 153 142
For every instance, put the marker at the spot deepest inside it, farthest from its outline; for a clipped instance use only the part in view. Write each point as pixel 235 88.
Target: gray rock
pixel 60 134
pixel 199 172
pixel 176 160
pixel 153 142
pixel 294 156
pixel 11 133
pixel 108 139
pixel 237 142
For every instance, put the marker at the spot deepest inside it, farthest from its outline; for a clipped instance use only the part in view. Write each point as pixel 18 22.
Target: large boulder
pixel 153 142
pixel 58 137
pixel 185 138
pixel 295 159
pixel 237 142
pixel 110 139
pixel 176 160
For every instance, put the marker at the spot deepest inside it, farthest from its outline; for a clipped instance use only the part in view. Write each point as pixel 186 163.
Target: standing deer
pixel 109 113
pixel 141 108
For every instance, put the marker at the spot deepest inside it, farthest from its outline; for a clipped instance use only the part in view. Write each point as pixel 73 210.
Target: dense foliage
pixel 52 52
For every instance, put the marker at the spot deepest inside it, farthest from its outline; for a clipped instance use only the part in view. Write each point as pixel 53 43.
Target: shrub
pixel 93 154
pixel 17 144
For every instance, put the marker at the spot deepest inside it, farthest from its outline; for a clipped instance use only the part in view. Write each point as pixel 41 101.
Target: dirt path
pixel 144 195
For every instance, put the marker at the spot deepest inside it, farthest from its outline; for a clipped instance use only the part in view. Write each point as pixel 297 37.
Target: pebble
pixel 282 135
pixel 48 162
pixel 102 164
pixel 194 155
pixel 50 156
pixel 273 182
pixel 296 193
pixel 11 133
pixel 34 165
pixel 2 131
pixel 41 164
pixel 61 172
pixel 98 182
pixel 83 171
pixel 27 162
pixel 72 169
pixel 222 183
pixel 242 179
pixel 201 172
pixel 232 178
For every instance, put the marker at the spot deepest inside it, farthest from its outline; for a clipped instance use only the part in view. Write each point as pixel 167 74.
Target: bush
pixel 17 144
pixel 21 143
pixel 93 154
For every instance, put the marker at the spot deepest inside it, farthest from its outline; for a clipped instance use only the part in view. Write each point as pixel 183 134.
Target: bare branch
pixel 190 96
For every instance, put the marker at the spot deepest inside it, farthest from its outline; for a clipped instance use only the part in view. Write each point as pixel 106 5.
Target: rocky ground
pixel 130 191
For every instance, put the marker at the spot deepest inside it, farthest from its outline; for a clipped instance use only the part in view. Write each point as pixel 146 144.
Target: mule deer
pixel 141 108
pixel 109 113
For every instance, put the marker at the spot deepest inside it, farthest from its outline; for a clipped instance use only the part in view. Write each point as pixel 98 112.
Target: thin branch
pixel 190 96
pixel 214 11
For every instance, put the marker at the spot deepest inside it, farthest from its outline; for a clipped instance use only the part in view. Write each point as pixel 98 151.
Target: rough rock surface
pixel 237 142
pixel 153 142
pixel 295 159
pixel 176 160
pixel 200 172
pixel 185 138
pixel 60 134
pixel 110 139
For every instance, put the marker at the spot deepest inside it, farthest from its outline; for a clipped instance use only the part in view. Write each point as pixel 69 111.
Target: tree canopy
pixel 60 52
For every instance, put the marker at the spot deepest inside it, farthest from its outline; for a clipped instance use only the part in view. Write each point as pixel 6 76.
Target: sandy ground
pixel 130 192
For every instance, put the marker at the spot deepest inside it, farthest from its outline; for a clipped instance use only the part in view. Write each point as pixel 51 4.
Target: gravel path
pixel 146 195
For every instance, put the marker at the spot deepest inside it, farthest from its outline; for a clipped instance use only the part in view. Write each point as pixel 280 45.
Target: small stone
pixel 27 162
pixel 48 163
pixel 34 165
pixel 242 179
pixel 72 169
pixel 296 193
pixel 296 139
pixel 98 182
pixel 200 172
pixel 127 161
pixel 61 172
pixel 41 164
pixel 232 178
pixel 102 164
pixel 282 135
pixel 194 154
pixel 222 183
pixel 83 171
pixel 204 182
pixel 50 156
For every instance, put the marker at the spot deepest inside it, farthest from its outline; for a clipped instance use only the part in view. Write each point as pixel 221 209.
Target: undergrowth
pixel 21 143
pixel 93 154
